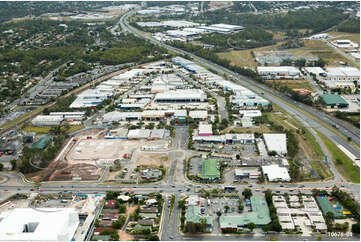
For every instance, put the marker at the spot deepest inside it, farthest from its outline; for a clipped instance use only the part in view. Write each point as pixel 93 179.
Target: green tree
pixel 181 204
pixel 247 193
pixel 150 126
pixel 152 237
pixel 356 228
pixel 330 217
pixel 122 208
pixel 251 226
pixel 96 223
pixel 119 223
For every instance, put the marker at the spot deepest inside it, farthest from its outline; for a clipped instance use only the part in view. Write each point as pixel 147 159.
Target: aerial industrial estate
pixel 187 121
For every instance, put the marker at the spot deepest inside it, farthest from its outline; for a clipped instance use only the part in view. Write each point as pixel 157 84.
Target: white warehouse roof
pixel 198 114
pixel 315 70
pixel 139 133
pixel 47 120
pixel 278 69
pixel 228 26
pixel 276 142
pixel 205 129
pixel 343 71
pixel 276 173
pixel 121 116
pixel 66 113
pixel 179 23
pixel 46 224
pixel 181 95
pixel 250 113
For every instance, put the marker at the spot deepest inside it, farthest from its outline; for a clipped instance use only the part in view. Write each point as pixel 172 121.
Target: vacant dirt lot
pixel 123 236
pixel 90 149
pixel 153 160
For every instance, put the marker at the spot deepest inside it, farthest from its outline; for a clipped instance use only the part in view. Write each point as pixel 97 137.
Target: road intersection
pixel 176 183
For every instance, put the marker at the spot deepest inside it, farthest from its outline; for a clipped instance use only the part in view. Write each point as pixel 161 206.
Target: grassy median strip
pixel 307 141
pixel 342 162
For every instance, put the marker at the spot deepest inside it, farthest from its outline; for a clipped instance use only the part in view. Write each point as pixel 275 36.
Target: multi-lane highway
pixel 313 118
pixel 176 183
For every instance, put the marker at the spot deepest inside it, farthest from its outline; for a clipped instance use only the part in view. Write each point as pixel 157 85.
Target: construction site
pixel 86 155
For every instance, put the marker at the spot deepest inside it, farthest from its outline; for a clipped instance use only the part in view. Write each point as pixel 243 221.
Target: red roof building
pixel 111 216
pixel 110 204
pixel 98 230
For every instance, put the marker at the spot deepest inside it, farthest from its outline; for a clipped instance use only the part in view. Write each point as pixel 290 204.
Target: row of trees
pixel 303 62
pixel 351 26
pixel 348 202
pixel 314 20
pixel 275 224
pixel 249 38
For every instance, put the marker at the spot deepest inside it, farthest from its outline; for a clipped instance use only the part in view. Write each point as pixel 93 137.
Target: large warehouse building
pixel 347 74
pixel 277 72
pixel 47 224
pixel 333 101
pixel 182 96
pixel 116 116
pixel 276 143
pixel 47 120
pixel 70 115
pixel 222 28
pixel 90 97
pixel 274 173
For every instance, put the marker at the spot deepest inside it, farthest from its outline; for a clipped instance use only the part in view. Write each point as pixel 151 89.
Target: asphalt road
pixel 342 53
pixel 311 117
pixel 177 184
pixel 220 100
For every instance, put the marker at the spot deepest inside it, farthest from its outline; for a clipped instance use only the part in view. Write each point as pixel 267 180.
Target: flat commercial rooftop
pixel 276 173
pixel 47 224
pixel 259 215
pixel 276 142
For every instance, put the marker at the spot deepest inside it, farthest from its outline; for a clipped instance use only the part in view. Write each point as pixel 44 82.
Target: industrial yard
pixel 157 121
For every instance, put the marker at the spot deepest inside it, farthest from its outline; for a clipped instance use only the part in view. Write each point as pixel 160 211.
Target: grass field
pixel 244 57
pixel 37 129
pixel 45 130
pixel 293 83
pixel 262 129
pixel 239 57
pixel 320 49
pixel 342 162
pixel 312 47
